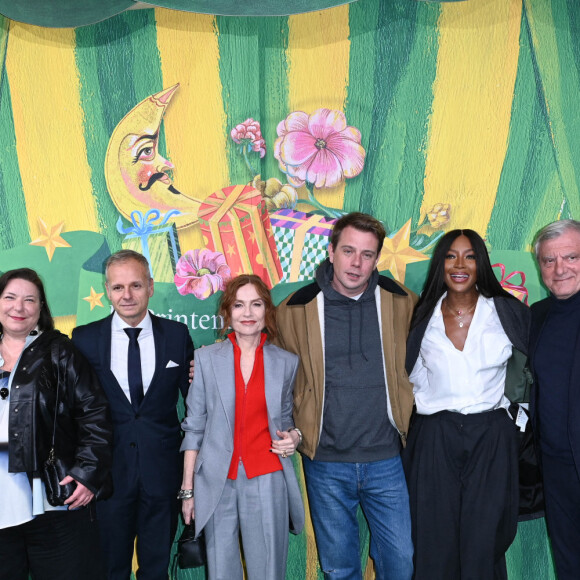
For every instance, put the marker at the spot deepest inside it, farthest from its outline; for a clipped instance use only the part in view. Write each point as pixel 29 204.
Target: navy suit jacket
pixel 148 440
pixel 540 312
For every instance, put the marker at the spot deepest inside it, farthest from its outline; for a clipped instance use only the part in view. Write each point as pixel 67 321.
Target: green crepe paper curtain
pixel 249 7
pixel 73 13
pixel 62 13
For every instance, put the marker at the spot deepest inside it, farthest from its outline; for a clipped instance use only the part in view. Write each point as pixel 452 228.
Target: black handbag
pixel 54 469
pixel 191 550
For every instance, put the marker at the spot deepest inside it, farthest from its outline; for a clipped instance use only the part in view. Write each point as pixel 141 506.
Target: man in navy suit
pixel 142 362
pixel 555 400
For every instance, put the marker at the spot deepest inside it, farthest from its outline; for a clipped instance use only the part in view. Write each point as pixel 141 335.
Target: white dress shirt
pixel 467 381
pixel 120 349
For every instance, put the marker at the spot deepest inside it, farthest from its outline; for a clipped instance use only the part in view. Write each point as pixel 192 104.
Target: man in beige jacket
pixel 353 401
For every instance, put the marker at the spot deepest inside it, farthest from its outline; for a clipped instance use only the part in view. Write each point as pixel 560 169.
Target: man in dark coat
pixel 142 362
pixel 555 402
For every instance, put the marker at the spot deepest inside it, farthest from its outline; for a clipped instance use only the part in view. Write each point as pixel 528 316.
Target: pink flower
pixel 201 273
pixel 248 134
pixel 319 149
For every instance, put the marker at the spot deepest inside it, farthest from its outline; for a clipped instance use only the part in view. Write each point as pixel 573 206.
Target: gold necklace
pixel 459 315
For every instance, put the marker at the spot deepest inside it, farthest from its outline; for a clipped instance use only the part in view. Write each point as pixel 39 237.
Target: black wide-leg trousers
pixel 462 474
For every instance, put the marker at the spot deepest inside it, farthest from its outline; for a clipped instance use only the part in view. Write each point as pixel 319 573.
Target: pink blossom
pixel 318 148
pixel 249 134
pixel 201 273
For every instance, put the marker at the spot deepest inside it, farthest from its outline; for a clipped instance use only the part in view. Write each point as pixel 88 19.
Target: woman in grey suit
pixel 239 437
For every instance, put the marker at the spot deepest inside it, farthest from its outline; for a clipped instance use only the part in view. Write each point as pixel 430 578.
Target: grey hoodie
pixel 356 426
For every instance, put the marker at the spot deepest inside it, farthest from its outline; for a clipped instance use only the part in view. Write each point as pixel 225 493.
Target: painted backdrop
pixel 218 145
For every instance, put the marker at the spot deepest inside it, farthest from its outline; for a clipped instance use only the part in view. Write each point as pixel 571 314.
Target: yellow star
pixel 397 253
pixel 231 250
pixel 252 237
pixel 50 240
pixel 95 298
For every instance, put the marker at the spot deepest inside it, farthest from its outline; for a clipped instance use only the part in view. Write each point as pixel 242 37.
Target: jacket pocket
pixel 299 396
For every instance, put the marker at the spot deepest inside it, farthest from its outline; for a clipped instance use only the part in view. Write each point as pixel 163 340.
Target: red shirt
pixel 252 439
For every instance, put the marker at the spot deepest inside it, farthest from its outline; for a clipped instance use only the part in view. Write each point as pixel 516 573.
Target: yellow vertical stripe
pixel 318 67
pixel 48 123
pixel 195 121
pixel 473 92
pixel 66 324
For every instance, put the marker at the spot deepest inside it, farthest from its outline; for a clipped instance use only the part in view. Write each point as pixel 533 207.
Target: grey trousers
pixel 256 509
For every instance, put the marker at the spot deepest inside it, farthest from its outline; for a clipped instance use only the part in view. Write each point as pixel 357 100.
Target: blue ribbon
pixel 143 225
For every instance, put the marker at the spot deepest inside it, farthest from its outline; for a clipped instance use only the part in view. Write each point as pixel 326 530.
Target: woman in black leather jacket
pixel 36 538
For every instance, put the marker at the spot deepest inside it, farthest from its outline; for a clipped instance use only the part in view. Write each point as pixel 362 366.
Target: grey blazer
pixel 209 425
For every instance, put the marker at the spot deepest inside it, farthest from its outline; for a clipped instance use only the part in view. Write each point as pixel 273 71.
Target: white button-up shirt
pixel 120 350
pixel 467 381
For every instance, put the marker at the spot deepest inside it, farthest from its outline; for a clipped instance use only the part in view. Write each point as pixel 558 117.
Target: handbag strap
pixel 55 351
pixel 174 563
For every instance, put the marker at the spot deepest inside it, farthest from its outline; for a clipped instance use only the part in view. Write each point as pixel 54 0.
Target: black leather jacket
pixel 83 427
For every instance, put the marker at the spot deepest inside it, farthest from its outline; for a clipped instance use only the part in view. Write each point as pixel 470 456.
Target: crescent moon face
pixel 138 177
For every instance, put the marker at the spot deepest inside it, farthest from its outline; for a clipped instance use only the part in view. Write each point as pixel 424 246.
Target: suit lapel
pixel 105 343
pixel 225 380
pixel 105 358
pixel 159 339
pixel 272 379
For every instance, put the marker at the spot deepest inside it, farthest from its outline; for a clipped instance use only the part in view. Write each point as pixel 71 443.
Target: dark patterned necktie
pixel 134 367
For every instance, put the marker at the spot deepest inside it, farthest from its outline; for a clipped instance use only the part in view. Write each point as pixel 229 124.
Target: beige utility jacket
pixel 300 330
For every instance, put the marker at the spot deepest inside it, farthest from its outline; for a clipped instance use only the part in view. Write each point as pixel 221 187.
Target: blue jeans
pixel 335 490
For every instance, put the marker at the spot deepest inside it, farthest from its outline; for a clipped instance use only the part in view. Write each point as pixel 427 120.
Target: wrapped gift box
pixel 235 222
pixel 153 236
pixel 302 242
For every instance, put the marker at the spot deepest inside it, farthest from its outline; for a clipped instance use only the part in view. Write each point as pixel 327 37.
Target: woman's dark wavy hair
pixel 45 321
pixel 487 284
pixel 229 297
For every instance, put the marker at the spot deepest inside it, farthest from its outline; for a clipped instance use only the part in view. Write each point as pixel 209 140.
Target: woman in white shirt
pixel 461 455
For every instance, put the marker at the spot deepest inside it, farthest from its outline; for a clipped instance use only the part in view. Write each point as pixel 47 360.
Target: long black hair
pixel 487 284
pixel 45 321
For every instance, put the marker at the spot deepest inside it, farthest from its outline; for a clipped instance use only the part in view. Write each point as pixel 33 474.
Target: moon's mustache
pixel 155 177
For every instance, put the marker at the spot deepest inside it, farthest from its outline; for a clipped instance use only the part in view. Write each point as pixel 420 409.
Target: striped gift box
pixel 302 241
pixel 235 222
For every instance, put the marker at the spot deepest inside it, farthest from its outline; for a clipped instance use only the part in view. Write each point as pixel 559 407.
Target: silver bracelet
pixel 297 431
pixel 185 494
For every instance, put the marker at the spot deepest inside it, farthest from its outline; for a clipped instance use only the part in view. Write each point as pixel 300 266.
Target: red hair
pixel 229 297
